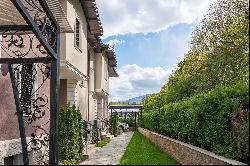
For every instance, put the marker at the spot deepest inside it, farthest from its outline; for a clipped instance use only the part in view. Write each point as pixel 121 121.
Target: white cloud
pixel 115 42
pixel 143 16
pixel 135 81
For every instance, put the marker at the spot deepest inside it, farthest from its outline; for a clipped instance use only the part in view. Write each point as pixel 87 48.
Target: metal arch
pixel 125 107
pixel 48 34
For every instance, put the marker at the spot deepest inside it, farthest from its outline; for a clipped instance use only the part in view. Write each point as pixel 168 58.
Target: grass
pixel 141 151
pixel 103 142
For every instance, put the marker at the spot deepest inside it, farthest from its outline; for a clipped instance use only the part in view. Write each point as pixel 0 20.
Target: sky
pixel 150 38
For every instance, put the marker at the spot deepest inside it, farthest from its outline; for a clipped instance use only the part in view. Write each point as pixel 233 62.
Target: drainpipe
pixel 88 73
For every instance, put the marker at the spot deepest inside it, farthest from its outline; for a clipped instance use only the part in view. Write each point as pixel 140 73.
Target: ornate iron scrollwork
pixel 34 102
pixel 31 57
pixel 43 21
pixel 21 44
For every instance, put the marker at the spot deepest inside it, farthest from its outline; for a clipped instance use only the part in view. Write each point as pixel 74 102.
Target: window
pixel 77 33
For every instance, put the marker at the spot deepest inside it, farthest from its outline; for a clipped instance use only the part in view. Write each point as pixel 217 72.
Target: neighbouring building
pixel 86 64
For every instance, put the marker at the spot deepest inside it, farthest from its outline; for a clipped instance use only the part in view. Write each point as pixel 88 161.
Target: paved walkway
pixel 112 153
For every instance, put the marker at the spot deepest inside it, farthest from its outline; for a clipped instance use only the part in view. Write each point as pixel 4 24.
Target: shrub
pixel 103 142
pixel 119 130
pixel 129 120
pixel 216 121
pixel 114 123
pixel 70 135
pixel 67 162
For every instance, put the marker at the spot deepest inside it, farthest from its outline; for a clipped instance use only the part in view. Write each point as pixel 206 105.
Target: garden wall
pixel 186 154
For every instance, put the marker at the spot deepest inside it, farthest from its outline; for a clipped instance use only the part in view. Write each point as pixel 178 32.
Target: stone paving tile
pixel 112 153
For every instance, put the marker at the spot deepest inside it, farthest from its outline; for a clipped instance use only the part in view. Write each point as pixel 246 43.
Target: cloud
pixel 135 81
pixel 143 16
pixel 115 42
pixel 162 49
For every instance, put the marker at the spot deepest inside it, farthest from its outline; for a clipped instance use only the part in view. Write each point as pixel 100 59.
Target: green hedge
pixel 70 135
pixel 151 121
pixel 217 121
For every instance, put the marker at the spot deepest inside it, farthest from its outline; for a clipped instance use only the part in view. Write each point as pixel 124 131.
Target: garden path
pixel 112 153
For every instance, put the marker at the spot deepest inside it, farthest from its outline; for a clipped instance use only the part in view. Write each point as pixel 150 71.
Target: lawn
pixel 141 151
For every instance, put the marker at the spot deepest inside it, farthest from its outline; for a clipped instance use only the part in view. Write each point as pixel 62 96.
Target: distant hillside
pixel 137 100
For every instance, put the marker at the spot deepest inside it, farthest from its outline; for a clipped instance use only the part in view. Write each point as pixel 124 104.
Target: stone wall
pixel 186 154
pixel 14 148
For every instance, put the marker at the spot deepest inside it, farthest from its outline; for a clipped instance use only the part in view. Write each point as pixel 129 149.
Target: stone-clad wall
pixel 14 148
pixel 184 153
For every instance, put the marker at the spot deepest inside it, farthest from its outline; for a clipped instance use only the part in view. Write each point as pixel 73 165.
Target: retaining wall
pixel 184 153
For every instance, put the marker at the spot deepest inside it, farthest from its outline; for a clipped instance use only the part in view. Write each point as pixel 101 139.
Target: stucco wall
pixel 82 99
pixel 102 80
pixel 78 57
pixel 92 80
pixel 105 74
pixel 184 153
pixel 99 84
pixel 69 52
pixel 8 118
pixel 99 74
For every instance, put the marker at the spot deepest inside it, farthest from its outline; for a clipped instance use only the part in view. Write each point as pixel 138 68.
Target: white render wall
pixel 71 53
pixel 82 98
pixel 72 92
pixel 78 57
pixel 92 85
pixel 86 96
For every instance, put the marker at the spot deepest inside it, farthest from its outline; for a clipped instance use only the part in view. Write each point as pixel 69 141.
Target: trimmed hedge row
pixel 70 135
pixel 151 121
pixel 217 121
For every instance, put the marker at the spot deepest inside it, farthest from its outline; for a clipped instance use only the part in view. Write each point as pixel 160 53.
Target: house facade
pixel 86 64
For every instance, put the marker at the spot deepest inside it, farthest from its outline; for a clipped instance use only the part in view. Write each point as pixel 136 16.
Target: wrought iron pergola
pixel 30 53
pixel 128 111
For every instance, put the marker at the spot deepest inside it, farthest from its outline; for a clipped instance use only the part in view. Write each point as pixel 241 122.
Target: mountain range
pixel 137 100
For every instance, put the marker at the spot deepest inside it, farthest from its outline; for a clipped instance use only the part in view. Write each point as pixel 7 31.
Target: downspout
pixel 88 73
